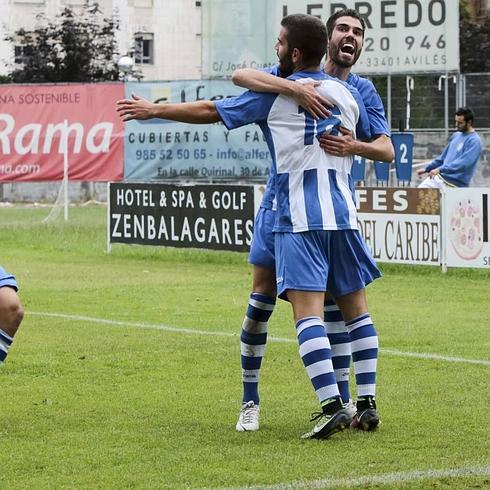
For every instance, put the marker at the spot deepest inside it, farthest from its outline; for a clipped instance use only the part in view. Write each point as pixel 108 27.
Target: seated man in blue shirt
pixel 456 165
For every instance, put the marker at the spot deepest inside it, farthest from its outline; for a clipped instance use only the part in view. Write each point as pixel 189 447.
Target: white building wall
pixel 5 21
pixel 175 25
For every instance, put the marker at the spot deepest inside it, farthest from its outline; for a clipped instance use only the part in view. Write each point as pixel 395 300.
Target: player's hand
pixel 341 145
pixel 434 172
pixel 306 96
pixel 137 108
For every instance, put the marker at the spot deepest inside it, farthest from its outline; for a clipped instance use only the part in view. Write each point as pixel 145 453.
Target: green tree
pixel 474 40
pixel 74 47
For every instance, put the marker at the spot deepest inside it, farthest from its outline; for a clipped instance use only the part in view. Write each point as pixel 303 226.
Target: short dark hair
pixel 466 113
pixel 344 13
pixel 308 34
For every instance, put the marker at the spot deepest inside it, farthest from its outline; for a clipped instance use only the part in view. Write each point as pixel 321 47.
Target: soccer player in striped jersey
pixel 346 35
pixel 11 312
pixel 314 194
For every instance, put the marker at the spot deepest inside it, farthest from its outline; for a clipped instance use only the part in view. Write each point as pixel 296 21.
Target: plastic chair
pixel 358 170
pixel 382 173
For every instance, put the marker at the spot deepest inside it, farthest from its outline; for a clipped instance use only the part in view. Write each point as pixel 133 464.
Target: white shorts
pixel 435 182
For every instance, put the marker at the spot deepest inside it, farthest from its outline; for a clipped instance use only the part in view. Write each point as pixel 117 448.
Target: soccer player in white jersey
pixel 11 312
pixel 346 36
pixel 316 210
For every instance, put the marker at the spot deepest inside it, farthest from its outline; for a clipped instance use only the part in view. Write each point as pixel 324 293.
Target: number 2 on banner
pixel 404 150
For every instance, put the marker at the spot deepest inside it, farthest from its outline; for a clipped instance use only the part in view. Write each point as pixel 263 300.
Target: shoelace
pixel 316 416
pixel 248 414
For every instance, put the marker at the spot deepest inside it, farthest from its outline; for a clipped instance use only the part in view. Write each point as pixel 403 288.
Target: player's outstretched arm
pixel 304 94
pixel 138 108
pixel 380 149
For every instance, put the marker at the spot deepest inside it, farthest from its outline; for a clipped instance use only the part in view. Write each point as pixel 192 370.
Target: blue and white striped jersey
pixel 374 108
pixel 313 190
pixel 269 198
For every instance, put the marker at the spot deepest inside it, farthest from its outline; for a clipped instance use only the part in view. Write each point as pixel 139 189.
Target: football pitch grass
pixel 125 373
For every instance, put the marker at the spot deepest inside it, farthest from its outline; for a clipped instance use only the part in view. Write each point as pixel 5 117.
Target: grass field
pixel 125 373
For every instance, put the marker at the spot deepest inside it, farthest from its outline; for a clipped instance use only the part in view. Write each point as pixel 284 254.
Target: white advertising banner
pixel 466 223
pixel 400 225
pixel 402 36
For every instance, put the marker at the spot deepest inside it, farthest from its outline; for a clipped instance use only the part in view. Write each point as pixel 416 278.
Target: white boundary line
pixel 383 479
pixel 191 331
pixel 421 355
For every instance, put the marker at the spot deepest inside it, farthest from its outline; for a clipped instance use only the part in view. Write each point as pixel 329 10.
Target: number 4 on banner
pixel 62 198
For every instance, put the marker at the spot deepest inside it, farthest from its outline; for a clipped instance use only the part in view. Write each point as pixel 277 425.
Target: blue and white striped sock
pixel 364 342
pixel 252 343
pixel 339 338
pixel 314 349
pixel 5 343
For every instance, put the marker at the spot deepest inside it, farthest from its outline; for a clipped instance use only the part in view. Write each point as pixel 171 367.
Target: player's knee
pixel 11 316
pixel 353 305
pixel 265 283
pixel 17 315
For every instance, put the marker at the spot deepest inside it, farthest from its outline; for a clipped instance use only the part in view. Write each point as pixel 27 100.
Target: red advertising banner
pixel 38 122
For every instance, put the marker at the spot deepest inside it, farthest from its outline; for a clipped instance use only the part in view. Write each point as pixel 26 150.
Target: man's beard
pixel 335 54
pixel 286 64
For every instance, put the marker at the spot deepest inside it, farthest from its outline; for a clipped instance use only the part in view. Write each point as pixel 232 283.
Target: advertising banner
pixel 400 225
pixel 466 224
pixel 38 123
pixel 162 150
pixel 200 216
pixel 402 36
pixel 403 146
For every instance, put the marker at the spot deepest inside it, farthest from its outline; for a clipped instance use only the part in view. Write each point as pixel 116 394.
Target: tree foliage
pixel 474 41
pixel 74 47
pixel 81 47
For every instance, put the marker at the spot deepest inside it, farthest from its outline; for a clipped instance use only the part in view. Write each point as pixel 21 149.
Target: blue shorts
pixel 262 246
pixel 337 261
pixel 7 280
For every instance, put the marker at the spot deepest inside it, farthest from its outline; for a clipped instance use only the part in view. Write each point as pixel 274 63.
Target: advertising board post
pixel 443 235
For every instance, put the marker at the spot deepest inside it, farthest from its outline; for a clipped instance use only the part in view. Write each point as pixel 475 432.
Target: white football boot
pixel 248 421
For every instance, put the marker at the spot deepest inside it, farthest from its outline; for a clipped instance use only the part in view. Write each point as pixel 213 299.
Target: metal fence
pixel 429 102
pixel 422 104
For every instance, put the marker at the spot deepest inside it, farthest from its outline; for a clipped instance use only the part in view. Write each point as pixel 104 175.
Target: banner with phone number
pixel 402 36
pixel 157 150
